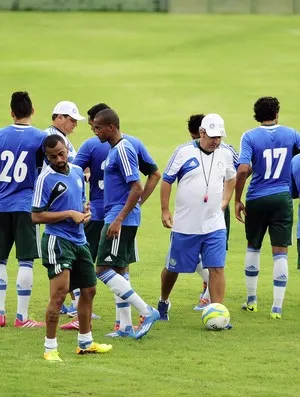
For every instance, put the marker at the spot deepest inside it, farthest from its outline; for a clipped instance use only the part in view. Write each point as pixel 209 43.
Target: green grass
pixel 156 70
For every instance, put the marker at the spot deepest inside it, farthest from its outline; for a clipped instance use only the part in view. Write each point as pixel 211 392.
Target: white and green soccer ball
pixel 215 317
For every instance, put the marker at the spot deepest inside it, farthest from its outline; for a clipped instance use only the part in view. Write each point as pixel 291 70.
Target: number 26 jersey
pixel 269 150
pixel 19 145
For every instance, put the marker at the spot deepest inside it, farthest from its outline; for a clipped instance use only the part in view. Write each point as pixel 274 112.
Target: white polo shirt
pixel 192 214
pixel 72 152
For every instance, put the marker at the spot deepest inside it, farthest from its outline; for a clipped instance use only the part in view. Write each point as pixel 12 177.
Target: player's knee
pixel 88 293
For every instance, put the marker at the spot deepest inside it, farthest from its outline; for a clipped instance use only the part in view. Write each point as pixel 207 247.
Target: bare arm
pixel 55 217
pixel 136 190
pixel 165 193
pixel 150 185
pixel 243 172
pixel 228 191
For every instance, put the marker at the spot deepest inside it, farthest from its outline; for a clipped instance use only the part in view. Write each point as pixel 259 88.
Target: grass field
pixel 156 70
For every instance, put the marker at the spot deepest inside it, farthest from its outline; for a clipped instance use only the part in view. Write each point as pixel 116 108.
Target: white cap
pixel 213 125
pixel 69 108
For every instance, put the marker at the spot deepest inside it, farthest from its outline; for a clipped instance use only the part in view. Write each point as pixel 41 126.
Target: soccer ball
pixel 215 316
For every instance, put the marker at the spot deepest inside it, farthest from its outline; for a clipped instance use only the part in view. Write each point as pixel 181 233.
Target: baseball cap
pixel 213 125
pixel 69 108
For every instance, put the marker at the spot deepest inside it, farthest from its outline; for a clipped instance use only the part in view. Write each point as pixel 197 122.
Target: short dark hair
pixel 194 123
pixel 266 109
pixel 96 109
pixel 109 116
pixel 21 104
pixel 52 140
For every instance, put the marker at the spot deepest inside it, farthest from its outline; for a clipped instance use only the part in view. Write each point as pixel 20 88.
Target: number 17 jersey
pixel 19 145
pixel 269 150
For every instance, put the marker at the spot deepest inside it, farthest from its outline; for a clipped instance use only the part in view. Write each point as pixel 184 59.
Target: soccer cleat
pixel 228 326
pixel 149 320
pixel 52 355
pixel 141 320
pixel 163 309
pixel 64 309
pixel 74 324
pixel 72 312
pixel 250 307
pixel 116 334
pixel 94 348
pixel 28 324
pixel 2 320
pixel 275 316
pixel 203 303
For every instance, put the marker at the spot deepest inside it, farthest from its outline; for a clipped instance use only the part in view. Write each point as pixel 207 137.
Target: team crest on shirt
pixel 220 165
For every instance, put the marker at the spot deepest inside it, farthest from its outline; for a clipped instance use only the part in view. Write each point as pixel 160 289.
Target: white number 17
pixel 269 155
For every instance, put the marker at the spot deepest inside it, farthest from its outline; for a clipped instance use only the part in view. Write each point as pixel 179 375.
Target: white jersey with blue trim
pixel 55 131
pixel 194 169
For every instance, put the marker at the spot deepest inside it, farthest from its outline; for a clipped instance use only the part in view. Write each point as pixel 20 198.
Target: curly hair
pixel 266 109
pixel 194 123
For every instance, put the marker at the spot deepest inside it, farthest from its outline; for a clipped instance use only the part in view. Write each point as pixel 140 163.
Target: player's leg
pixel 92 231
pixel 204 298
pixel 256 223
pixel 280 230
pixel 183 257
pixel 167 281
pixel 119 252
pixel 6 243
pixel 27 240
pixel 83 276
pixel 213 255
pixel 57 257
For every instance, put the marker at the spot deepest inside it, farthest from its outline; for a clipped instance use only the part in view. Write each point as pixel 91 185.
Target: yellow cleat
pixel 275 316
pixel 52 355
pixel 252 307
pixel 94 348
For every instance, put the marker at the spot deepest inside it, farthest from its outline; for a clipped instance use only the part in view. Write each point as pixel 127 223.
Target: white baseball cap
pixel 69 108
pixel 213 125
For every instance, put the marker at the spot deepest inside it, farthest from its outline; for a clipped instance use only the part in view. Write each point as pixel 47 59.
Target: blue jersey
pixel 19 146
pixel 121 168
pixel 269 149
pixel 58 192
pixel 295 185
pixel 235 155
pixel 93 153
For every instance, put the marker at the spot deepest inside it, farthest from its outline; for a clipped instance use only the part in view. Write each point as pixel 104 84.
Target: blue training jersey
pixel 56 192
pixel 269 149
pixel 93 153
pixel 121 168
pixel 295 185
pixel 19 147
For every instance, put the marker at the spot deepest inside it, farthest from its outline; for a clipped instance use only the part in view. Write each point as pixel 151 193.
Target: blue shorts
pixel 183 256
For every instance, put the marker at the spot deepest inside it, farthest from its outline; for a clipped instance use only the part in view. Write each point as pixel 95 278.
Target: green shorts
pixel 17 227
pixel 119 251
pixel 59 254
pixel 93 233
pixel 274 212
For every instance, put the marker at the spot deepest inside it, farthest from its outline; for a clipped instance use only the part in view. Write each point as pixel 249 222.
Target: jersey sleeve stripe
pixel 124 159
pixel 39 189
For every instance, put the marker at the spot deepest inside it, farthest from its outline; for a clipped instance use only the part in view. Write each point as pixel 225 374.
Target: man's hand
pixel 166 218
pixel 77 217
pixel 114 229
pixel 239 207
